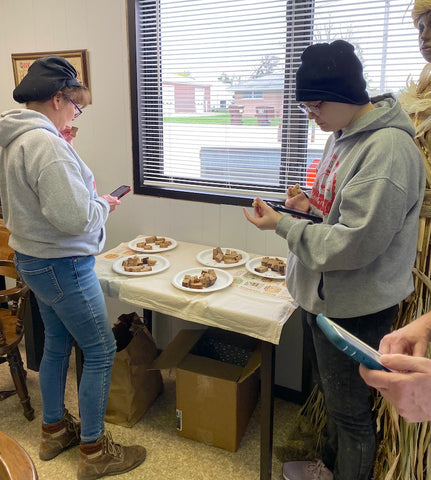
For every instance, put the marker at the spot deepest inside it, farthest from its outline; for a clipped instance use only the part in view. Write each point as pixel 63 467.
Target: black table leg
pixel 267 412
pixel 148 319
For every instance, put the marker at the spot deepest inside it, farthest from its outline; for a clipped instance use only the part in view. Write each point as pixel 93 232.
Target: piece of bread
pixel 196 283
pixel 204 280
pixel 208 278
pixel 273 263
pixel 138 268
pixel 165 244
pixel 219 257
pixel 217 254
pixel 131 261
pixel 232 258
pixel 295 190
pixel 137 264
pixel 228 257
pixel 261 269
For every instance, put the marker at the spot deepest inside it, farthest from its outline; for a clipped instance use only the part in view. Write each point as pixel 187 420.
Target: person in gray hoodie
pixel 56 219
pixel 355 266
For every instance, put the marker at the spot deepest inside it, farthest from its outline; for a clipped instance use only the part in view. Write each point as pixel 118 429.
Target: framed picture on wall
pixel 78 58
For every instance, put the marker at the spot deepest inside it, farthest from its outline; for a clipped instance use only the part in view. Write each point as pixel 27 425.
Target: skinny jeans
pixel 72 307
pixel 349 448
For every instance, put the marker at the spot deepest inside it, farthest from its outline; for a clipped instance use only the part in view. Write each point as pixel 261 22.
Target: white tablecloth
pixel 252 305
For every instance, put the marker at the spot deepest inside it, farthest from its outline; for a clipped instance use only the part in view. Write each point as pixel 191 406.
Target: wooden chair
pixel 15 462
pixel 5 250
pixel 13 302
pixel 34 329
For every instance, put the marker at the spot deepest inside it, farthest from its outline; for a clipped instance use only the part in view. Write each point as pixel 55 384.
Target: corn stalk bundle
pixel 404 450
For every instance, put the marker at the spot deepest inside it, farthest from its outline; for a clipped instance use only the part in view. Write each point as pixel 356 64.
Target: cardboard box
pixel 215 398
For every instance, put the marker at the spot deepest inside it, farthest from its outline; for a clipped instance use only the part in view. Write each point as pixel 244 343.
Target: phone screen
pixel 121 191
pixel 281 208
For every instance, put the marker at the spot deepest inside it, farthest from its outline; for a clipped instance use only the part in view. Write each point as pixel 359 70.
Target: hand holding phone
pixel 298 213
pixel 120 191
pixel 350 345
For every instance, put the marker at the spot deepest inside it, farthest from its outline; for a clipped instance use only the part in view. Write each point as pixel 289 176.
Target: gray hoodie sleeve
pixel 367 212
pixel 364 226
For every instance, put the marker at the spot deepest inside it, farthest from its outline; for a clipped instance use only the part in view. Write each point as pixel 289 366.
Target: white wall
pixel 104 136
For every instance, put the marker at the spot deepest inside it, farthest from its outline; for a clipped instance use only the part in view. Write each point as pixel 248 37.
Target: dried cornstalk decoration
pixel 404 450
pixel 314 411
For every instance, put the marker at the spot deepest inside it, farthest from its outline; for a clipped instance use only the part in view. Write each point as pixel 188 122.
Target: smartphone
pixel 120 191
pixel 281 208
pixel 349 344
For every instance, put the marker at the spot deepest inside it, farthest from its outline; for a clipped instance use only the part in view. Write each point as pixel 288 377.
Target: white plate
pixel 162 264
pixel 256 262
pixel 224 279
pixel 155 249
pixel 206 258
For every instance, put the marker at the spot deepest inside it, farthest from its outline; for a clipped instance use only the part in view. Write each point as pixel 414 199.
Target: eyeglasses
pixel 78 111
pixel 314 109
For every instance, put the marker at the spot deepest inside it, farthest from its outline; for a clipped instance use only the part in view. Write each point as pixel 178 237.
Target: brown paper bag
pixel 133 387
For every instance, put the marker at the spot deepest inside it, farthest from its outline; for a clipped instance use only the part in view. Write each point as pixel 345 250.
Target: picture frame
pixel 78 58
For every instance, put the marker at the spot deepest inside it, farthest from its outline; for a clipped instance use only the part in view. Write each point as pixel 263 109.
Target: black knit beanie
pixel 331 72
pixel 45 77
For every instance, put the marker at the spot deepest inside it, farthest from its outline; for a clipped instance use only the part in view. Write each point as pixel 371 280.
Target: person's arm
pixel 113 202
pixel 412 339
pixel 265 218
pixel 69 133
pixel 299 201
pixel 408 388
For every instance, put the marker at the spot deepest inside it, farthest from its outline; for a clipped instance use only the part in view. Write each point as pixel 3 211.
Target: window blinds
pixel 213 83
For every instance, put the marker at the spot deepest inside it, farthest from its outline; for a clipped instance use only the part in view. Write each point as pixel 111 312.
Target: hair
pixel 80 95
pixel 420 7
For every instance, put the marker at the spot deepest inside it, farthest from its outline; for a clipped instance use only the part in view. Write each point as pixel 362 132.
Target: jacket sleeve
pixel 362 233
pixel 365 217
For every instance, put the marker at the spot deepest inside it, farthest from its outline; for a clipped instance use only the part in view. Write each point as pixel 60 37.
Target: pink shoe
pixel 306 471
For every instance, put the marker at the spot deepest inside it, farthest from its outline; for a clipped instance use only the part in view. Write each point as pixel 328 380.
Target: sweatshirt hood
pixel 387 114
pixel 15 123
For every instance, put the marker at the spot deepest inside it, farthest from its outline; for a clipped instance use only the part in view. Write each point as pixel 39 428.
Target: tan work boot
pixel 107 458
pixel 59 436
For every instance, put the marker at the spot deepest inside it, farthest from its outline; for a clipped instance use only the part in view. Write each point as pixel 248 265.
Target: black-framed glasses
pixel 78 111
pixel 314 109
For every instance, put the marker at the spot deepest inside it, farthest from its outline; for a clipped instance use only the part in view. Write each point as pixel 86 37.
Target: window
pixel 214 114
pixel 252 94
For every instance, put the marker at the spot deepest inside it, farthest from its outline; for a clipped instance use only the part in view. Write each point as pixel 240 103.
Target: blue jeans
pixel 349 448
pixel 72 307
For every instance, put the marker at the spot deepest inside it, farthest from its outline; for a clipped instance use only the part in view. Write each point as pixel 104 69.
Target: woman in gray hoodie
pixel 57 224
pixel 355 266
